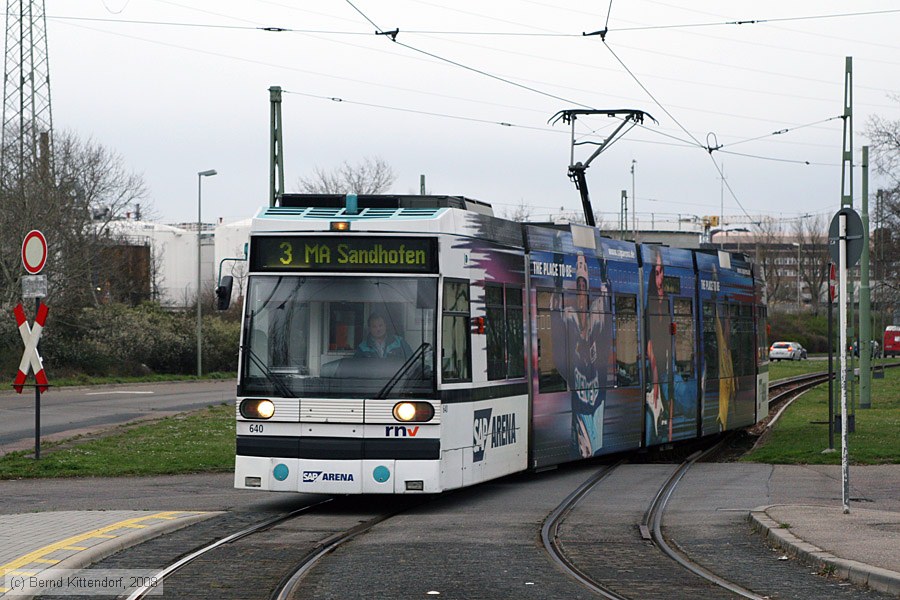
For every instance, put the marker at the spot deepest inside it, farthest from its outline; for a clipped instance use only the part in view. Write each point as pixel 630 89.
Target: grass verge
pixel 798 438
pixel 200 441
pixel 790 368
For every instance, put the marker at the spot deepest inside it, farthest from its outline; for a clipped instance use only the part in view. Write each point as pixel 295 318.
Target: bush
pixel 809 330
pixel 117 340
pixel 220 343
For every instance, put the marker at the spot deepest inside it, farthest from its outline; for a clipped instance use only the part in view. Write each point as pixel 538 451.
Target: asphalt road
pixel 70 411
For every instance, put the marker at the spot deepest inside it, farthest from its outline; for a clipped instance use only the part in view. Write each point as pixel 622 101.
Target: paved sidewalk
pixel 34 542
pixel 862 546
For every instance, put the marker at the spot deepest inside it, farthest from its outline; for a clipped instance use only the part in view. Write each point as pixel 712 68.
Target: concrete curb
pixel 882 580
pixel 102 550
pixel 98 552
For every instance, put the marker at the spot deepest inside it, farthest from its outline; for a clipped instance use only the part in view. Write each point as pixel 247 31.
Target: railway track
pixel 650 529
pixel 287 587
pixel 162 575
pixel 189 576
pixel 782 392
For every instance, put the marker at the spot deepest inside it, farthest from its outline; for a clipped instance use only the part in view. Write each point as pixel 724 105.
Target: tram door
pixel 670 406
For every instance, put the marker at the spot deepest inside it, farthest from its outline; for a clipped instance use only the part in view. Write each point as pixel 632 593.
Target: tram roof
pixel 385 201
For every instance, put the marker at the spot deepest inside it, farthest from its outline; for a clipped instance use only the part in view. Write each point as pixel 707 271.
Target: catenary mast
pixel 27 118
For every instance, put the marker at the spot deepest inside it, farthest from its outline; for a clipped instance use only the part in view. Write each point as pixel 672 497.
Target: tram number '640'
pixel 256 427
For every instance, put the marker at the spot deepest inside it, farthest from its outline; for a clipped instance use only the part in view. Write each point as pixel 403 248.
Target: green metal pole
pixel 847 200
pixel 276 147
pixel 865 306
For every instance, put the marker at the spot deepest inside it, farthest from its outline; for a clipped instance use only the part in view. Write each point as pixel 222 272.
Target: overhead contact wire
pixel 466 67
pixel 682 127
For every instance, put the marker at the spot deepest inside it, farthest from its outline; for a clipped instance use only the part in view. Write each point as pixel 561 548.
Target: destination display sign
pixel 344 253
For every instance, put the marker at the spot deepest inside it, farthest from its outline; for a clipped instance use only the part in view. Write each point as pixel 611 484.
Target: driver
pixel 379 344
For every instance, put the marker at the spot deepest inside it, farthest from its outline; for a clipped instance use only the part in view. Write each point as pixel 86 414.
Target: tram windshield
pixel 348 337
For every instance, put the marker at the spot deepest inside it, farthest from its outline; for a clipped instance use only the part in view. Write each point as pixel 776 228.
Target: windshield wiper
pixel 269 375
pixel 396 377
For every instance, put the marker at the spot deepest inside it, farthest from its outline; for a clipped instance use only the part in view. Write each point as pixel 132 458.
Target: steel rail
pixel 653 522
pixel 286 588
pixel 143 591
pixel 550 534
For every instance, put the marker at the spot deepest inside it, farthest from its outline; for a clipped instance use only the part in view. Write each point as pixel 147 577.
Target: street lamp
pixel 798 274
pixel 200 176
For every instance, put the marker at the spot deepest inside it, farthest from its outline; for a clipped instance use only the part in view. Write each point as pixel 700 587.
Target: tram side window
pixel 762 333
pixel 455 356
pixel 549 378
pixel 739 338
pixel 684 337
pixel 746 353
pixel 626 340
pixel 711 340
pixel 504 329
pixel 495 330
pixel 515 333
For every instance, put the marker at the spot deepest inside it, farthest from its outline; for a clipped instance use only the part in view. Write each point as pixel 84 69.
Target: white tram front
pixel 357 366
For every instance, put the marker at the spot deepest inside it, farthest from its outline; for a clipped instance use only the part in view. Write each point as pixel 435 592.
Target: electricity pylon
pixel 27 118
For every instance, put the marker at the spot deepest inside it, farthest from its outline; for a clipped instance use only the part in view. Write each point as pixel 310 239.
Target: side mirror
pixel 223 292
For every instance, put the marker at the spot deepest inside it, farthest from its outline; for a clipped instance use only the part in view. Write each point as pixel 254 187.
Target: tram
pixel 416 344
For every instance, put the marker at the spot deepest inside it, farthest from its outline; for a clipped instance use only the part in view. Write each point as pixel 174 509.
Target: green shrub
pixel 120 340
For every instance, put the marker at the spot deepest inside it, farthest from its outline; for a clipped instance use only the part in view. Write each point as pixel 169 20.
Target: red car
pixel 891 345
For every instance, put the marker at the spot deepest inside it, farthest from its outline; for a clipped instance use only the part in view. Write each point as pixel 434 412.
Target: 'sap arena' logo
pixel 497 431
pixel 314 476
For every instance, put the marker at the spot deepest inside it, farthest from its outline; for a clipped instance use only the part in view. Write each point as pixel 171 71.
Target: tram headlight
pixel 253 408
pixel 413 411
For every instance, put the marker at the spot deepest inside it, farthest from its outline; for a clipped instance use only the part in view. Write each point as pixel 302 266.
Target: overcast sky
pixel 189 92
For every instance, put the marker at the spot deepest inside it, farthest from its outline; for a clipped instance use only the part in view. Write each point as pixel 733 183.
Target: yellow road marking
pixel 25 573
pixel 70 542
pixel 3 590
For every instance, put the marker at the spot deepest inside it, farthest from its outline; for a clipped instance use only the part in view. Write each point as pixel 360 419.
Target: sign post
pixel 845 236
pixel 34 257
pixel 832 289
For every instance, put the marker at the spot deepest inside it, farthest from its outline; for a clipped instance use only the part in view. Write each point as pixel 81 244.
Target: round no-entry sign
pixel 34 251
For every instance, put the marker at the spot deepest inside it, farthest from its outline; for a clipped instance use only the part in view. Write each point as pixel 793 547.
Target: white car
pixel 786 351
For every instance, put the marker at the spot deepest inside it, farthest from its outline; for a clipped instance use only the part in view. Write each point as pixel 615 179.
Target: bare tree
pixel 885 137
pixel 521 213
pixel 770 256
pixel 886 255
pixel 812 235
pixel 74 204
pixel 370 176
pixel 577 216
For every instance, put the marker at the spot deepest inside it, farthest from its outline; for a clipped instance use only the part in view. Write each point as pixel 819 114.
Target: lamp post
pixel 633 208
pixel 798 275
pixel 200 176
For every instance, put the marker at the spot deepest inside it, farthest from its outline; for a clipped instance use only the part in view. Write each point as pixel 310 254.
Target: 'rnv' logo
pixel 401 431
